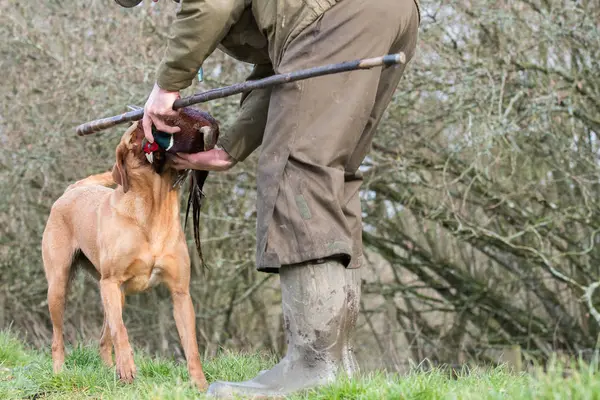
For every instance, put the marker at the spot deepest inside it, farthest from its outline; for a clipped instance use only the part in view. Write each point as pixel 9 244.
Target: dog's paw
pixel 126 368
pixel 200 383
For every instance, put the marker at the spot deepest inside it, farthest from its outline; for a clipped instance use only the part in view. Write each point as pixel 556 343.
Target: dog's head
pixel 199 132
pixel 127 155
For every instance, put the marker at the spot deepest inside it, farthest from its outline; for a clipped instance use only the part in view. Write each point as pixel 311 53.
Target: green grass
pixel 27 373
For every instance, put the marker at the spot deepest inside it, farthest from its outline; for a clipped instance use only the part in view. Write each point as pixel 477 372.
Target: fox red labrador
pixel 130 238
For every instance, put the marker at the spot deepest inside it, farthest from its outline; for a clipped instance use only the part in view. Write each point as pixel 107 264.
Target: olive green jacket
pixel 252 31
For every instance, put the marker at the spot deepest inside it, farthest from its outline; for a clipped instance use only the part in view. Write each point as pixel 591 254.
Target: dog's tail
pixel 103 179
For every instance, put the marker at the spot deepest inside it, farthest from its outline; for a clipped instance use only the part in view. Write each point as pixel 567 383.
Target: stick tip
pixel 398 58
pixel 81 130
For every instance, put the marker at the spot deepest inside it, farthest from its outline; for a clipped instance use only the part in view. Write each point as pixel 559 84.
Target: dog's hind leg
pixel 57 255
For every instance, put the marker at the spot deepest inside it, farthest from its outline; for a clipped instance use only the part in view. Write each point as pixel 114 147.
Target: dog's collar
pixel 161 140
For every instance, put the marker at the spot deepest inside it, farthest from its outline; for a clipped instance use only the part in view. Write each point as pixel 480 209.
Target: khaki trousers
pixel 319 131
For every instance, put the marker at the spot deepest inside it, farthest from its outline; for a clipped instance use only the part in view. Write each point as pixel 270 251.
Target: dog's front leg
pixel 185 319
pixel 178 281
pixel 113 308
pixel 106 343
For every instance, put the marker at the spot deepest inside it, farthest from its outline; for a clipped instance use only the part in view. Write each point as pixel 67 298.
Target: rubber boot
pixel 316 320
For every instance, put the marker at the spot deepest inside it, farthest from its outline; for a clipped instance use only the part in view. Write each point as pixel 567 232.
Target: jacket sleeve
pixel 246 133
pixel 196 32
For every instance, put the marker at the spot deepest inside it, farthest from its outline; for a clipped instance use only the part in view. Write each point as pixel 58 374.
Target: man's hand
pixel 212 160
pixel 159 106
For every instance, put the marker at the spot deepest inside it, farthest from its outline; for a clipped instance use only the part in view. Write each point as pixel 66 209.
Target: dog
pixel 130 238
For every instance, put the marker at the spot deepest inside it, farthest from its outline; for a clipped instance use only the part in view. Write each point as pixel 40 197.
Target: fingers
pixel 162 126
pixel 158 120
pixel 211 160
pixel 157 110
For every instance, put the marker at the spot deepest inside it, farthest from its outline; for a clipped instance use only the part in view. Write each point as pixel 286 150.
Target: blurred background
pixel 481 196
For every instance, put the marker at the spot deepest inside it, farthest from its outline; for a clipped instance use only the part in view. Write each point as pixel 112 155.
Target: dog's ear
pixel 119 171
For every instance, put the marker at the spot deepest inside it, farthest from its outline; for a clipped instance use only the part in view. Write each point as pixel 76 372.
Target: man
pixel 314 134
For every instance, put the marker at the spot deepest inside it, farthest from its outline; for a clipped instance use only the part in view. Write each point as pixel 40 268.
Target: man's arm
pixel 246 134
pixel 198 28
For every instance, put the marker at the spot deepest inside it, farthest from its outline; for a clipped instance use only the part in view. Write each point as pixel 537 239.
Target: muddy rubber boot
pixel 352 291
pixel 316 317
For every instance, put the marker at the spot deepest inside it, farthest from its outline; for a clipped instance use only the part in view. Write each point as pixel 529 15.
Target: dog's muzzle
pixel 132 3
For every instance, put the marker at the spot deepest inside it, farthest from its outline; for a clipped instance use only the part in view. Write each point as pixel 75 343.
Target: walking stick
pixel 138 114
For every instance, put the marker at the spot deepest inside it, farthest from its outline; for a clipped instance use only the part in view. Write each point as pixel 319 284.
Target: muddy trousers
pixel 320 130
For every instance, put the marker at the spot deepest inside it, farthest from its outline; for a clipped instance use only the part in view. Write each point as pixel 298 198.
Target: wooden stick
pixel 136 115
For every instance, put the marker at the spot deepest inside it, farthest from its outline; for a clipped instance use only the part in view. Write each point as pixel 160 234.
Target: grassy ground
pixel 27 373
